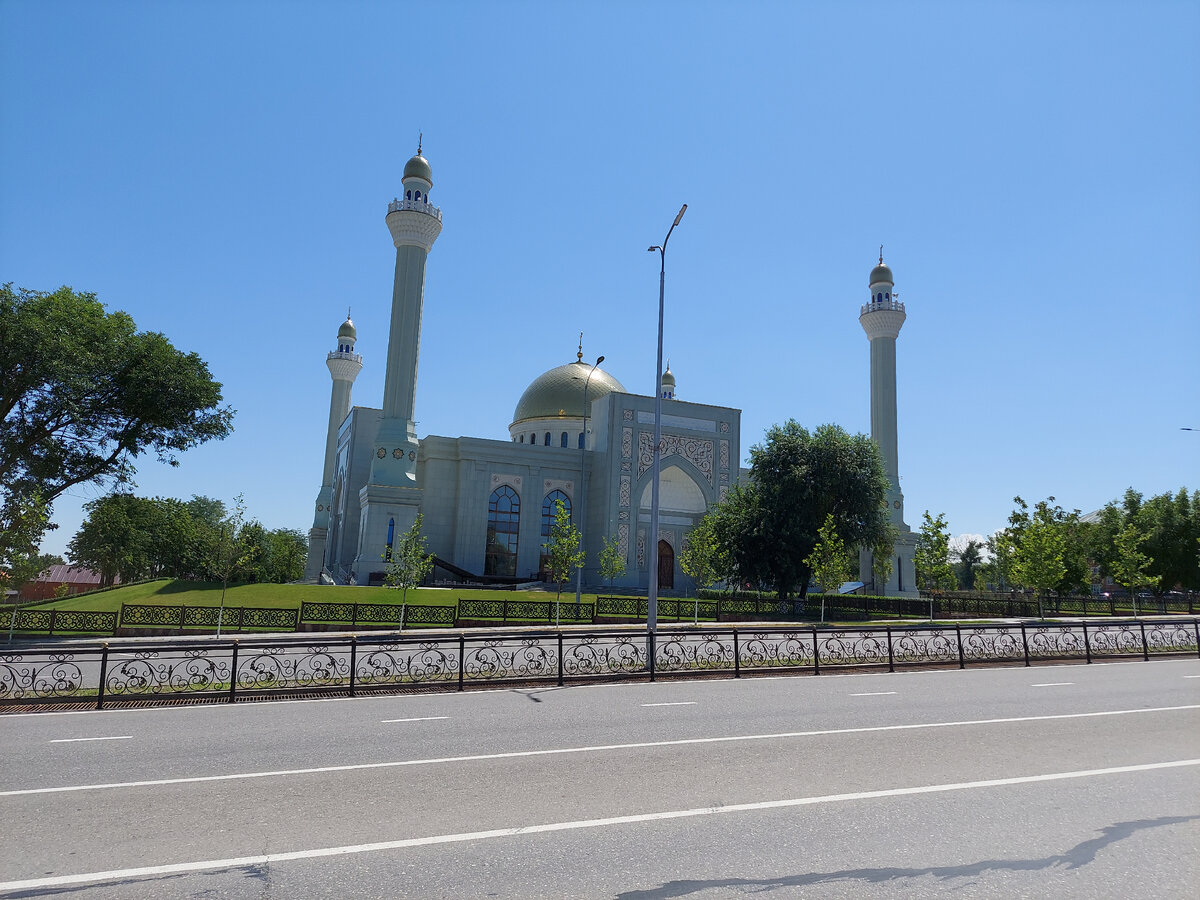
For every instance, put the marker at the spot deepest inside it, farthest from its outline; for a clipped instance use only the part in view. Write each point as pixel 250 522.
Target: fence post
pixel 1145 646
pixel 962 663
pixel 53 618
pixel 354 617
pixel 462 657
pixel 1087 646
pixel 504 611
pixel 560 659
pixel 233 665
pixel 737 663
pixel 816 654
pixel 1025 643
pixel 103 675
pixel 182 619
pixel 891 659
pixel 353 660
pixel 1196 626
pixel 651 648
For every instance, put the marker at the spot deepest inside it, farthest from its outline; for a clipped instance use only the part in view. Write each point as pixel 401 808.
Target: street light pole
pixel 652 586
pixel 583 482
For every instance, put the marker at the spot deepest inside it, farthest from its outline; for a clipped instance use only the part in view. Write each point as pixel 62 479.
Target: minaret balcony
pixel 874 305
pixel 416 206
pixel 353 357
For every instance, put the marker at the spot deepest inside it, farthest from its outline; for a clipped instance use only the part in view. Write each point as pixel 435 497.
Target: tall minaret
pixel 344 365
pixel 882 317
pixel 391 499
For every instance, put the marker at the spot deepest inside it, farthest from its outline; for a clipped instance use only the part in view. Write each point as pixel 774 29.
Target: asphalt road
pixel 1077 781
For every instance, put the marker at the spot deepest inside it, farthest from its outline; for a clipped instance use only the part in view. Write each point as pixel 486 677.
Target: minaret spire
pixel 579 353
pixel 421 140
pixel 882 317
pixel 344 365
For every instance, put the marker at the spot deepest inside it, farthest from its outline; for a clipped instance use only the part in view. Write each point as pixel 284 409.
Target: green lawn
pixel 284 596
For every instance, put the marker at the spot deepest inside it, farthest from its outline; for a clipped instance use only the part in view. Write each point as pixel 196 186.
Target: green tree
pixel 829 561
pixel 409 565
pixel 968 563
pixel 24 518
pixel 612 562
pixel 1039 550
pixel 770 525
pixel 83 393
pixel 932 555
pixel 114 539
pixel 563 553
pixel 231 553
pixel 698 559
pixel 1132 568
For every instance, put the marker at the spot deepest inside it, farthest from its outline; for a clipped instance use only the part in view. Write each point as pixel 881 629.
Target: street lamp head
pixel 599 359
pixel 682 210
pixel 652 249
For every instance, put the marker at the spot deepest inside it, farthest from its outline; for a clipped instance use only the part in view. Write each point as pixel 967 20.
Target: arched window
pixel 533 438
pixel 581 440
pixel 503 527
pixel 408 195
pixel 887 295
pixel 547 439
pixel 522 439
pixel 549 509
pixel 391 537
pixel 563 441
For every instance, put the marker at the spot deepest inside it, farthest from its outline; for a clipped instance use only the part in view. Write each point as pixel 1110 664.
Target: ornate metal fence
pixel 637 608
pixel 59 621
pixel 232 618
pixel 231 669
pixel 504 610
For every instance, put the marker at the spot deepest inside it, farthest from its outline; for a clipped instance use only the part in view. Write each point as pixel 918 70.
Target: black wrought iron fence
pixel 638 608
pixel 232 618
pixel 59 621
pixel 504 611
pixel 255 667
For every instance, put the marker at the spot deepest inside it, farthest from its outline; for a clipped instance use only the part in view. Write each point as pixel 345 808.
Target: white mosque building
pixel 577 436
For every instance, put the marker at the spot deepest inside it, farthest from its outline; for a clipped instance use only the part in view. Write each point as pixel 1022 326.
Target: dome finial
pixel 579 353
pixel 881 254
pixel 421 140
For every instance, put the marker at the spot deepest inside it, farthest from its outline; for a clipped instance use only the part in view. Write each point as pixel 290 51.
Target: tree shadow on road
pixel 1077 856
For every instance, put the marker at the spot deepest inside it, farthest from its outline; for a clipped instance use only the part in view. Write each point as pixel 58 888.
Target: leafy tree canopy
pixel 771 525
pixel 932 555
pixel 83 393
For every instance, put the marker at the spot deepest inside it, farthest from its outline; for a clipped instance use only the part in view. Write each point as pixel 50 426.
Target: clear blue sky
pixel 221 171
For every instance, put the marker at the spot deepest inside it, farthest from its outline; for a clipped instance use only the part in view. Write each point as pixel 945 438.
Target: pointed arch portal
pixel 666 566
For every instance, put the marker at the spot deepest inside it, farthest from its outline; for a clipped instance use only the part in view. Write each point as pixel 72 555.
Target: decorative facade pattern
pixel 626 484
pixel 626 442
pixel 628 415
pixel 641 548
pixel 724 428
pixel 552 484
pixel 724 454
pixel 513 480
pixel 724 491
pixel 696 451
pixel 623 541
pixel 626 466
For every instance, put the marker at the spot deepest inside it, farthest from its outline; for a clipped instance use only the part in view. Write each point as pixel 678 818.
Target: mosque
pixel 577 436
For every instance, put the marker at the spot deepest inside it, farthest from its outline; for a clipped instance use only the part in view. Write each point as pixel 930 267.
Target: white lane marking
pixel 269 858
pixel 1191 676
pixel 560 751
pixel 676 703
pixel 874 694
pixel 1053 684
pixel 123 737
pixel 415 719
